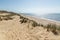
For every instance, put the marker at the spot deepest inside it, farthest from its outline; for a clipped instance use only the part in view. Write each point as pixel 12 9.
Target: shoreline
pixel 50 19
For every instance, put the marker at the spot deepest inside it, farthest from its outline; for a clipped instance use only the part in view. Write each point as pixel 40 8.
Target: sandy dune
pixel 14 30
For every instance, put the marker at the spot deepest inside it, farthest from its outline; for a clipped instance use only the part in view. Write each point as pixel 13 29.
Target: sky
pixel 37 7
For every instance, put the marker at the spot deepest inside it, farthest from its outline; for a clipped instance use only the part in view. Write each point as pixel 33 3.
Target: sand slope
pixel 14 30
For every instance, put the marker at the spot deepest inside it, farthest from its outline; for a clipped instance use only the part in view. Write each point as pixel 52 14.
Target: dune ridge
pixel 14 26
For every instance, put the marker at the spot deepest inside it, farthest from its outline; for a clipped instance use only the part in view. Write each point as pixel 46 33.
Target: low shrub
pixel 58 28
pixel 0 19
pixel 34 24
pixel 24 20
pixel 52 28
pixel 21 17
pixel 48 27
pixel 41 25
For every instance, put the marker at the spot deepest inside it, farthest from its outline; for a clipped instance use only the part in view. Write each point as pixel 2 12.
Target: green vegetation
pixel 24 20
pixel 21 17
pixel 41 25
pixel 2 11
pixel 48 27
pixel 7 17
pixel 52 28
pixel 58 28
pixel 0 19
pixel 34 24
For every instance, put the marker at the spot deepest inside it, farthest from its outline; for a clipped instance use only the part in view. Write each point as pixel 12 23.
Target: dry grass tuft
pixel 52 28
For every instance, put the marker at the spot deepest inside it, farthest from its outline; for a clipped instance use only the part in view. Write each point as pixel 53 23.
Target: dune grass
pixel 50 27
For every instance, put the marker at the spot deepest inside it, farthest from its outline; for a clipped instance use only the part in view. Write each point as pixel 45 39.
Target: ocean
pixel 51 16
pixel 54 16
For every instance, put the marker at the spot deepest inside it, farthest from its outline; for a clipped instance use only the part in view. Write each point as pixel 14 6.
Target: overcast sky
pixel 37 7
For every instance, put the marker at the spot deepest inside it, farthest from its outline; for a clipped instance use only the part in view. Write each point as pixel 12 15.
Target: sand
pixel 14 30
